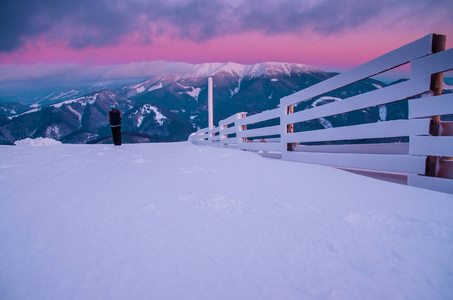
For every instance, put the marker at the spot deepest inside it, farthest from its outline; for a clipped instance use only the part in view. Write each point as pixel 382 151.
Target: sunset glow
pixel 321 33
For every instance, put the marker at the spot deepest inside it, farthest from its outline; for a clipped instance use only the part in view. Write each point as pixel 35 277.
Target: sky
pixel 329 34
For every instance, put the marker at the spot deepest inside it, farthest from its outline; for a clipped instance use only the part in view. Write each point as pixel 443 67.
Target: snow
pixel 252 71
pixel 194 93
pixel 382 112
pixel 83 100
pixel 325 123
pixel 322 100
pixel 76 113
pixel 140 89
pixel 179 221
pixel 378 86
pixel 71 93
pixel 24 113
pixel 155 87
pixel 191 91
pixel 37 142
pixel 211 69
pixel 146 110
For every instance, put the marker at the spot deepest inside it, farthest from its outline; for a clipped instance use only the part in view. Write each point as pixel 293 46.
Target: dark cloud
pixel 84 23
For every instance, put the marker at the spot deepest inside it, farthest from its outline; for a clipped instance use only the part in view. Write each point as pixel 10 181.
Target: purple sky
pixel 329 34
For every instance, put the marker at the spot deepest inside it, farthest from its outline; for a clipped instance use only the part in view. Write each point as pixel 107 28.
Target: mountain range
pixel 171 106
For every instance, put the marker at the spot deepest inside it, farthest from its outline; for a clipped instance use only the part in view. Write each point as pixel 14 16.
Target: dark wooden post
pixel 437 81
pixel 290 128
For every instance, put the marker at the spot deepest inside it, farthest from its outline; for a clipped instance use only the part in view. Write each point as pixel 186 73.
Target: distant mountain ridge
pixel 168 107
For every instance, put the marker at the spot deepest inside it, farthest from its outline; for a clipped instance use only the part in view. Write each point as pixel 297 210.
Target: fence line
pixel 426 142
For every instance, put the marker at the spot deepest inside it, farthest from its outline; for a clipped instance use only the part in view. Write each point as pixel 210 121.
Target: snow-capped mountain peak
pixel 252 71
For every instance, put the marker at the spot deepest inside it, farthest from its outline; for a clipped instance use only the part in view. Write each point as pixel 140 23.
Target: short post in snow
pixel 210 104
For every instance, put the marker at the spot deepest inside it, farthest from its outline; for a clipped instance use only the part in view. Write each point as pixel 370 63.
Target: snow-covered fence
pixel 422 155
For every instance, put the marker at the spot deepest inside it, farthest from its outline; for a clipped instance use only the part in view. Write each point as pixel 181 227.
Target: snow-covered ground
pixel 179 221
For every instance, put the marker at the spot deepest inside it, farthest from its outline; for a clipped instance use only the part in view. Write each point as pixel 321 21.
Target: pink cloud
pixel 334 52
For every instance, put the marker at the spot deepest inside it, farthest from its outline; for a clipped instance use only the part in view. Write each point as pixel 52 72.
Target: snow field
pixel 179 221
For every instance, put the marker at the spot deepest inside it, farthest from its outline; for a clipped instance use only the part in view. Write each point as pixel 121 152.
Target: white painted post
pixel 210 104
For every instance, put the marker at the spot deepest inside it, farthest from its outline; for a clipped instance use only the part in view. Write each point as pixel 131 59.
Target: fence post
pixel 241 127
pixel 222 136
pixel 210 104
pixel 290 128
pixel 436 86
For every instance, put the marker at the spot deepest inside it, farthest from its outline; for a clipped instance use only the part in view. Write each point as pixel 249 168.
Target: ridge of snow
pixel 37 142
pixel 156 87
pixel 255 70
pixel 233 69
pixel 25 113
pixel 83 100
pixel 322 99
pixel 140 89
pixel 65 94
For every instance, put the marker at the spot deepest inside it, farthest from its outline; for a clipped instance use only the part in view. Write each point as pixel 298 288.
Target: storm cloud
pixel 88 23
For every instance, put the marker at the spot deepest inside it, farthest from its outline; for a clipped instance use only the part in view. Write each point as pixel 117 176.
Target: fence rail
pixel 423 157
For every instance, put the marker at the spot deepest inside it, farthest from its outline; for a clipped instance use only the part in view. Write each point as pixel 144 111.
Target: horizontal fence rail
pixel 418 148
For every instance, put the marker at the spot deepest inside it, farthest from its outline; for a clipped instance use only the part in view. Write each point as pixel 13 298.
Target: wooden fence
pixel 423 151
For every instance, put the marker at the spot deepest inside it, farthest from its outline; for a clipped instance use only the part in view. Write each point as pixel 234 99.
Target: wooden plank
pixel 232 119
pixel 213 132
pixel 431 183
pixel 265 131
pixel 198 136
pixel 200 142
pixel 229 140
pixel 230 130
pixel 273 140
pixel 387 148
pixel 431 106
pixel 264 116
pixel 260 146
pixel 381 64
pixel 423 68
pixel 431 145
pixel 377 97
pixel 202 130
pixel 366 131
pixel 376 162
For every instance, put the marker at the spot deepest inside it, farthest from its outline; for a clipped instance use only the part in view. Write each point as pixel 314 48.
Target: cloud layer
pixel 94 23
